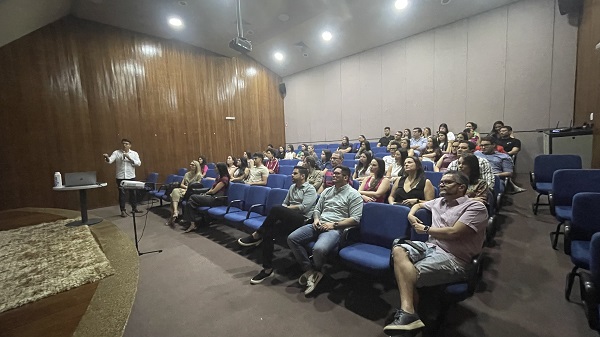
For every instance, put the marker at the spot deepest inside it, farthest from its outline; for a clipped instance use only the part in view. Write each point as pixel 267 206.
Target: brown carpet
pixel 199 286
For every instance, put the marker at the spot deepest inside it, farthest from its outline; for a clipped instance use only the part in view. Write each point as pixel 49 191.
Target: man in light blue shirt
pixel 339 206
pixel 418 142
pixel 501 163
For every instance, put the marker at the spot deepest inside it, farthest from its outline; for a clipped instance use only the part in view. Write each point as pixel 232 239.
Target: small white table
pixel 82 203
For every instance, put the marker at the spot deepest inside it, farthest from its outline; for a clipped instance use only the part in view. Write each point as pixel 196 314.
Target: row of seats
pixel 573 194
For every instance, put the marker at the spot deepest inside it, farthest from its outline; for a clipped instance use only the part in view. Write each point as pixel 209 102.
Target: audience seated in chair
pixel 356 146
pixel 339 206
pixel 443 142
pixel 361 170
pixel 364 146
pixel 501 163
pixel 258 173
pixel 336 160
pixel 242 171
pixel 478 188
pixel 272 161
pixel 194 175
pixel 418 142
pixel 386 139
pixel 289 153
pixel 297 208
pixel 213 197
pixel 444 128
pixel 396 170
pixel 375 187
pixel 315 175
pixel 464 146
pixel 413 187
pixel 326 160
pixel 231 163
pixel 432 151
pixel 447 158
pixel 405 144
pixel 495 132
pixel 392 148
pixel 456 235
pixel 345 146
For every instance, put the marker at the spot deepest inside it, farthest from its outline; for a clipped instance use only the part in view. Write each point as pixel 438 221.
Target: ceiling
pixel 356 25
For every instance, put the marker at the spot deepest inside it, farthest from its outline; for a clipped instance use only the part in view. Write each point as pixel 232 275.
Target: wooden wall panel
pixel 587 87
pixel 71 90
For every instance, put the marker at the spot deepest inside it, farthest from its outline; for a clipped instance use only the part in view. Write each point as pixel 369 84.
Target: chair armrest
pixel 253 207
pixel 551 203
pixel 475 273
pixel 532 179
pixel 589 297
pixel 567 239
pixel 233 202
pixel 349 234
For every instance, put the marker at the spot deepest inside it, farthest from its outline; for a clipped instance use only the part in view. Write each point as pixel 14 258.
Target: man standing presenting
pixel 258 173
pixel 386 139
pixel 126 160
pixel 296 210
pixel 339 206
pixel 456 235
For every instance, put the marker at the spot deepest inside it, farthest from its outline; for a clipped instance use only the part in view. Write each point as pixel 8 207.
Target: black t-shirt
pixel 508 143
pixel 384 141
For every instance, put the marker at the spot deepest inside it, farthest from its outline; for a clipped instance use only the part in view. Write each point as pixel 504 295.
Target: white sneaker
pixel 304 277
pixel 312 282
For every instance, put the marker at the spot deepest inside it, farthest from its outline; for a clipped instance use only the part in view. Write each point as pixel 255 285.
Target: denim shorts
pixel 434 266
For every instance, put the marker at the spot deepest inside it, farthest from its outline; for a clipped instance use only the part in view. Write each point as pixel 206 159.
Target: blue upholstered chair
pixel 543 168
pixel 287 183
pixel 434 177
pixel 565 184
pixel 254 199
pixel 380 155
pixel 276 180
pixel 182 171
pixel 257 215
pixel 211 173
pixel 211 165
pixel 427 165
pixel 235 194
pixel 166 193
pixel 164 188
pixel 288 162
pixel 376 149
pixel 589 285
pixel 379 226
pixel 286 169
pixel 585 222
pixel 349 162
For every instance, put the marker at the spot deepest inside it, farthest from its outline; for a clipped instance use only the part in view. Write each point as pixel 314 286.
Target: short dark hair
pixel 395 142
pixel 310 160
pixel 259 155
pixel 302 170
pixel 473 124
pixel 490 139
pixel 126 140
pixel 509 128
pixel 418 129
pixel 345 170
pixel 271 151
pixel 471 144
pixel 387 128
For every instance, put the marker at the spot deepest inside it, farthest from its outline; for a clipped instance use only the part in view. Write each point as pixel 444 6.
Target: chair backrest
pixel 207 182
pixel 350 162
pixel 152 178
pixel 255 195
pixel 211 165
pixel 211 173
pixel 567 183
pixel 178 179
pixel 427 165
pixel 182 171
pixel 378 149
pixel 287 183
pixel 544 165
pixel 333 147
pixel 276 180
pixel 380 155
pixel 434 177
pixel 586 219
pixel 288 162
pixel 381 223
pixel 236 192
pixel 275 197
pixel 286 169
pixel 355 184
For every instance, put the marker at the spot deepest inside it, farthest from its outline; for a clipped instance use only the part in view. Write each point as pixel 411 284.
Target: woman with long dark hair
pixel 361 170
pixel 364 146
pixel 397 168
pixel 444 128
pixel 413 187
pixel 442 139
pixel 376 186
pixel 326 159
pixel 443 163
pixel 211 198
pixel 289 152
pixel 478 188
pixel 345 146
pixel 432 150
pixel 242 171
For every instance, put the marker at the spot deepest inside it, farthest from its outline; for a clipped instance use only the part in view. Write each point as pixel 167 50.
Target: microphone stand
pixel 137 248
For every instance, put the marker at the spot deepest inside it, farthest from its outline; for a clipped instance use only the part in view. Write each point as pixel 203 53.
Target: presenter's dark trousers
pixel 132 196
pixel 281 221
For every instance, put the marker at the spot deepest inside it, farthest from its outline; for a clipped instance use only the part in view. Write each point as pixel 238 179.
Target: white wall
pixel 515 63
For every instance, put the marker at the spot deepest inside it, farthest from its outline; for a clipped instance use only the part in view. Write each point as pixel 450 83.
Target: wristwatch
pixel 426 229
pixel 335 225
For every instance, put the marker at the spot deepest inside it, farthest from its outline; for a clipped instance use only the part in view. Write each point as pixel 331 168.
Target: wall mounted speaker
pixel 282 90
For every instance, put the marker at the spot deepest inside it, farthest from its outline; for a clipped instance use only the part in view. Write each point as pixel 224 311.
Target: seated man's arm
pixel 507 167
pixel 465 225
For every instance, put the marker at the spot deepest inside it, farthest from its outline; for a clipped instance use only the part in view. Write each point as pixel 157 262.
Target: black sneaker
pixel 249 241
pixel 403 321
pixel 263 275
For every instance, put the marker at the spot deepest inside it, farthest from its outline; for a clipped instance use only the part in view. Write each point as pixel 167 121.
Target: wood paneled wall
pixel 587 89
pixel 71 90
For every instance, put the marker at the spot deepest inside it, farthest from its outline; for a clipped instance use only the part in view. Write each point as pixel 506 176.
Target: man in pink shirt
pixel 456 235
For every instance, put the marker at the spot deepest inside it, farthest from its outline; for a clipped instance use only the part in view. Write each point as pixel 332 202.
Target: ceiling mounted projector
pixel 240 43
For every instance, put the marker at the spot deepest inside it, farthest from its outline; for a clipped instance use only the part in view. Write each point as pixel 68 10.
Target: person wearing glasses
pixel 392 148
pixel 456 234
pixel 465 146
pixel 501 163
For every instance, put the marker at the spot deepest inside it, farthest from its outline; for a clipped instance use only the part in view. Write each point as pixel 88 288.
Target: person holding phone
pixel 126 160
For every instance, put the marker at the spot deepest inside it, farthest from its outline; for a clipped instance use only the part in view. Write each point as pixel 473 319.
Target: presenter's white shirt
pixel 125 167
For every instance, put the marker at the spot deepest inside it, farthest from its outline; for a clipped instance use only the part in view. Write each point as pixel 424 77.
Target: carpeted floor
pixel 199 286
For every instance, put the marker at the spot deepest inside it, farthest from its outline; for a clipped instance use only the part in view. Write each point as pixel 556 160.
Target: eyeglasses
pixel 486 144
pixel 447 182
pixel 393 148
pixel 336 158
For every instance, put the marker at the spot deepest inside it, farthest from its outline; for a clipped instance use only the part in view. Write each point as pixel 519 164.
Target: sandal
pixel 191 228
pixel 171 221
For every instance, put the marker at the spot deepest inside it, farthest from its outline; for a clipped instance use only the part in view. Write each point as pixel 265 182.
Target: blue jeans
pixel 325 243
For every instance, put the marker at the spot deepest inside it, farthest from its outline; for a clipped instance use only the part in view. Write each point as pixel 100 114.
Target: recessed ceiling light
pixel 283 17
pixel 401 4
pixel 251 71
pixel 326 35
pixel 175 22
pixel 278 56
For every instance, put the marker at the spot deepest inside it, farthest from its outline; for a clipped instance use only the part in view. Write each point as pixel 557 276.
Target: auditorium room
pixel 300 168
